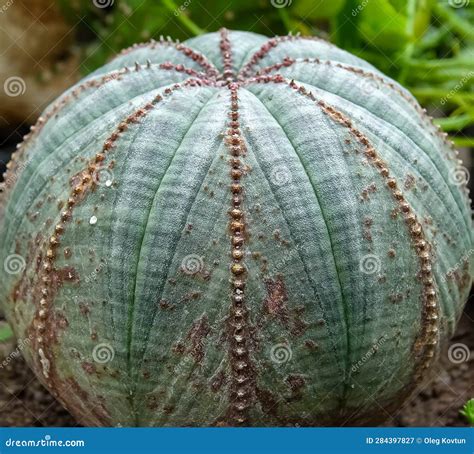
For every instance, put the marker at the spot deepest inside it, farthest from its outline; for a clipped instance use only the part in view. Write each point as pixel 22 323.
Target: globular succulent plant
pixel 234 231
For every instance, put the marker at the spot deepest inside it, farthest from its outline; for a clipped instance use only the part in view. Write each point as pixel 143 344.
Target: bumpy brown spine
pixel 241 385
pixel 195 56
pixel 226 52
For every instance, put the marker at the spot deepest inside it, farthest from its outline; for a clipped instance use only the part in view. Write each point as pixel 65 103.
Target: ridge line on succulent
pixel 42 318
pixel 411 100
pixel 129 326
pixel 5 237
pixel 347 356
pixel 403 133
pixel 267 46
pixel 316 293
pixel 425 346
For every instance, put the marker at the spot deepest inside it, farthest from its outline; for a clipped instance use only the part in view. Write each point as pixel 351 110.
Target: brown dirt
pixel 24 402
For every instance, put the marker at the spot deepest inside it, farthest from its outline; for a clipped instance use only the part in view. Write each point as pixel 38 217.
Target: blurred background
pixel 426 45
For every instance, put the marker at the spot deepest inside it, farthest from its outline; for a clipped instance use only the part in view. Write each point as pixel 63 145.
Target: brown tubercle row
pixel 226 53
pixel 242 380
pixel 247 70
pixel 195 56
pixel 425 346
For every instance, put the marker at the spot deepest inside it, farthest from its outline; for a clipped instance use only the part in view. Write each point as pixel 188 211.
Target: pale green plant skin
pixel 353 340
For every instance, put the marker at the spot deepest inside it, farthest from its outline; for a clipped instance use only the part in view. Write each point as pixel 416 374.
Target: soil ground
pixel 24 402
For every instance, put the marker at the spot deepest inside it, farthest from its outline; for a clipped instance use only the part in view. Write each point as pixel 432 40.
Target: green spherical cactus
pixel 234 231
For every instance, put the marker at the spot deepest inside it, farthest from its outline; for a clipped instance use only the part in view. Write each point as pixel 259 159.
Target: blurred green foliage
pixel 6 332
pixel 468 412
pixel 427 45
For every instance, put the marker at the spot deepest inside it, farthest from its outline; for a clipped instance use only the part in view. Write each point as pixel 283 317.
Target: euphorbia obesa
pixel 234 231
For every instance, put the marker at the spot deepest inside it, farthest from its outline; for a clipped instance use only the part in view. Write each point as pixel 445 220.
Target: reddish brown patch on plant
pixel 299 326
pixel 84 309
pixel 311 345
pixel 410 182
pixel 152 402
pixel 196 336
pixel 296 383
pixel 267 401
pixel 89 368
pixel 367 233
pixel 65 274
pixel 365 194
pixel 275 304
pixel 179 348
pixel 218 380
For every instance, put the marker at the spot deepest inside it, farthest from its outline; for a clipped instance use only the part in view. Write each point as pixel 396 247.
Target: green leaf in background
pixel 468 411
pixel 381 26
pixel 320 9
pixel 6 333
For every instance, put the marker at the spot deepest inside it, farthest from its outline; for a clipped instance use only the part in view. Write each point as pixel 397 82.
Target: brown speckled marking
pixel 42 323
pixel 196 335
pixel 425 346
pixel 275 304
